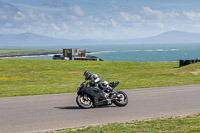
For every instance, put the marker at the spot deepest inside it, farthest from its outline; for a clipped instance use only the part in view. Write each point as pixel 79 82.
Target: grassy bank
pixel 20 52
pixel 20 77
pixel 186 124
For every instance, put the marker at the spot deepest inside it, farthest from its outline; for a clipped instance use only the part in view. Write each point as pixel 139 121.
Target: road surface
pixel 49 112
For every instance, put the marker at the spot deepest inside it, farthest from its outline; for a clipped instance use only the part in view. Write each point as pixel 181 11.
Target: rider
pixel 96 81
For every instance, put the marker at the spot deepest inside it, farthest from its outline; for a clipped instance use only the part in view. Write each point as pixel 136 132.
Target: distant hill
pixel 29 39
pixel 169 37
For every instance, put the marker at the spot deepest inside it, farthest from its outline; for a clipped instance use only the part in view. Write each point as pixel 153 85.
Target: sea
pixel 126 52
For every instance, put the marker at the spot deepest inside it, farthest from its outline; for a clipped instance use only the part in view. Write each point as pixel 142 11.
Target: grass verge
pixel 20 77
pixel 180 124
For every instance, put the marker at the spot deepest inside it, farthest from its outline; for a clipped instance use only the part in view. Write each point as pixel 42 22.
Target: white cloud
pixel 172 14
pixel 160 25
pixel 113 22
pixel 19 16
pixel 7 11
pixel 55 3
pixel 65 26
pixel 72 22
pixel 151 14
pixel 72 18
pixel 172 28
pixel 77 10
pixel 55 27
pixel 193 16
pixel 130 17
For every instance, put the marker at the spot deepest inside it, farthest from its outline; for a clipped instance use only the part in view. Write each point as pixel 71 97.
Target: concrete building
pixel 72 53
pixel 78 54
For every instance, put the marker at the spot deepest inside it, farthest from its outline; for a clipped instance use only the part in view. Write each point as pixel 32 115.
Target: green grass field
pixel 9 52
pixel 20 77
pixel 186 124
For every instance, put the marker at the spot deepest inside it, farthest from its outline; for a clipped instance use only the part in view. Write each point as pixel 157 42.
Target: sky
pixel 99 19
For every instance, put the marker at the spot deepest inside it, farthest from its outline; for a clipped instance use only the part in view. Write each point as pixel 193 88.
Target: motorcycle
pixel 88 97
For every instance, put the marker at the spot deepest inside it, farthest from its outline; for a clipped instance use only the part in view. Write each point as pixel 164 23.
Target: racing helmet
pixel 104 85
pixel 87 74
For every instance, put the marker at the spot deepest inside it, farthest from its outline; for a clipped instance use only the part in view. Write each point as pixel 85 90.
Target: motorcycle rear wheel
pixel 122 100
pixel 84 101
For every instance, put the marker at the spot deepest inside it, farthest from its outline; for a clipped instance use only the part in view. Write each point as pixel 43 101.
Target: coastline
pixel 29 54
pixel 10 55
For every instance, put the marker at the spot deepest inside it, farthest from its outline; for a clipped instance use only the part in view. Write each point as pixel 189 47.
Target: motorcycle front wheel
pixel 84 101
pixel 122 99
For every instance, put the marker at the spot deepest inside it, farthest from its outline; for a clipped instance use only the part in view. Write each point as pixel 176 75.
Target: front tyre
pixel 122 99
pixel 84 101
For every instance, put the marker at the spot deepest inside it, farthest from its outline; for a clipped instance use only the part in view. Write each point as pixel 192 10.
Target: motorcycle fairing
pixel 114 84
pixel 96 93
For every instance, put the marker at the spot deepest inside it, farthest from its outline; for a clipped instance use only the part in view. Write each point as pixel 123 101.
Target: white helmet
pixel 104 85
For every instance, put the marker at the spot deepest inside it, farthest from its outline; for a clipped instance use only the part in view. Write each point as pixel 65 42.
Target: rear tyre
pixel 122 99
pixel 84 101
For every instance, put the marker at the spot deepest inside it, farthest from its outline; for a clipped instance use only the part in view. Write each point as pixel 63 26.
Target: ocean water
pixel 124 52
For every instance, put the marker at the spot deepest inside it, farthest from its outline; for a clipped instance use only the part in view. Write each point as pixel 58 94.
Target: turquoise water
pixel 144 53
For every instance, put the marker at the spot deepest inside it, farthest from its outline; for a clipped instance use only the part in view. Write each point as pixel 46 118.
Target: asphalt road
pixel 49 112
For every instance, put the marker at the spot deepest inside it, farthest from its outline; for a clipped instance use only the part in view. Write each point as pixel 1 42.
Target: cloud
pixel 59 19
pixel 173 14
pixel 193 16
pixel 160 25
pixel 77 10
pixel 113 22
pixel 54 3
pixel 55 27
pixel 148 13
pixel 130 17
pixel 19 16
pixel 8 11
